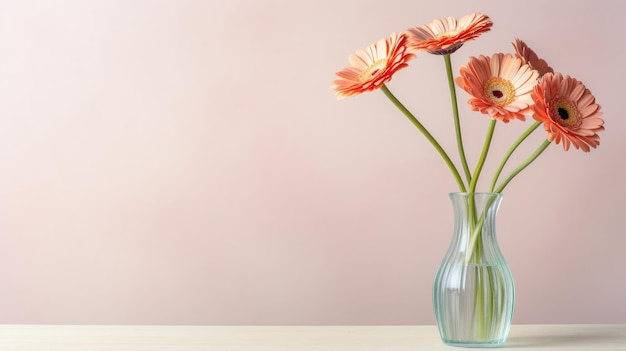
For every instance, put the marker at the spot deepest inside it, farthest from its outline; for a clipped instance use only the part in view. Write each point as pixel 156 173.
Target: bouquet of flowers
pixel 504 86
pixel 473 289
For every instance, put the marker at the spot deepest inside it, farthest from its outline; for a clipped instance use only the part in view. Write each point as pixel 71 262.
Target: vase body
pixel 473 290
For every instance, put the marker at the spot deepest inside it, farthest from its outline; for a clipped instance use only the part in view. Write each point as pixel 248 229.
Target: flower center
pixel 448 34
pixel 373 70
pixel 499 92
pixel 565 113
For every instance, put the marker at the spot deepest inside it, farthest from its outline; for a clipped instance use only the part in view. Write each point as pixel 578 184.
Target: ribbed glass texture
pixel 473 291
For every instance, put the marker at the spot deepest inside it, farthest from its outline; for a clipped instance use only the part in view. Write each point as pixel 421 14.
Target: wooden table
pixel 293 338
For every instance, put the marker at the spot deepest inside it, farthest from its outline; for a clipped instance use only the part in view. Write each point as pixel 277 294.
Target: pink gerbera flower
pixel 446 35
pixel 373 67
pixel 500 86
pixel 529 56
pixel 568 111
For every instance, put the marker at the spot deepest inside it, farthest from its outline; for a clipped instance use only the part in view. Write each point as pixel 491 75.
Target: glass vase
pixel 473 291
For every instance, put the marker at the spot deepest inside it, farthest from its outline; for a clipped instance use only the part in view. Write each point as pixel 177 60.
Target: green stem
pixel 510 152
pixel 429 137
pixel 485 305
pixel 483 155
pixel 474 251
pixel 477 226
pixel 479 305
pixel 524 164
pixel 474 182
pixel 455 114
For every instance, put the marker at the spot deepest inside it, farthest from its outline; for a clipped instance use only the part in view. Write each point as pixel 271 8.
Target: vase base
pixel 474 344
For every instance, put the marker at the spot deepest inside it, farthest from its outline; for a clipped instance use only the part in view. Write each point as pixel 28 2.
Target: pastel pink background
pixel 185 162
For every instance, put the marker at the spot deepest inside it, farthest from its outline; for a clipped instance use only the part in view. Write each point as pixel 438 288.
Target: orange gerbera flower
pixel 500 86
pixel 568 111
pixel 446 35
pixel 529 56
pixel 373 67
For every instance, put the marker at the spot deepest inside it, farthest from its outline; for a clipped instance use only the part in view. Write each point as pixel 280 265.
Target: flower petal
pixel 568 111
pixel 372 67
pixel 446 35
pixel 499 86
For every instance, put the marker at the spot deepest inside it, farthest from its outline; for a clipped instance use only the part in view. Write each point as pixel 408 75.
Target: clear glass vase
pixel 473 291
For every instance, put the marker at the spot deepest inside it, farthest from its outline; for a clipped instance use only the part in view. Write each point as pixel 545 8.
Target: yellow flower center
pixel 449 34
pixel 373 70
pixel 565 113
pixel 500 92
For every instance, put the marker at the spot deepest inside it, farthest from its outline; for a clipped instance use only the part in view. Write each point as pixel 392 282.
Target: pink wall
pixel 185 162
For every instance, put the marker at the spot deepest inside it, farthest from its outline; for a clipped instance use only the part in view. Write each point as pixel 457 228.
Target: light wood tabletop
pixel 294 338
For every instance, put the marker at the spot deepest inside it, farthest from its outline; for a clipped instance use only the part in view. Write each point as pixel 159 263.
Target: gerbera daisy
pixel 529 56
pixel 500 86
pixel 446 35
pixel 373 67
pixel 568 111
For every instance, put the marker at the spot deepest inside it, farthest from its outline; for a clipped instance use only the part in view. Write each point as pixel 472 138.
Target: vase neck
pixel 474 224
pixel 473 206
